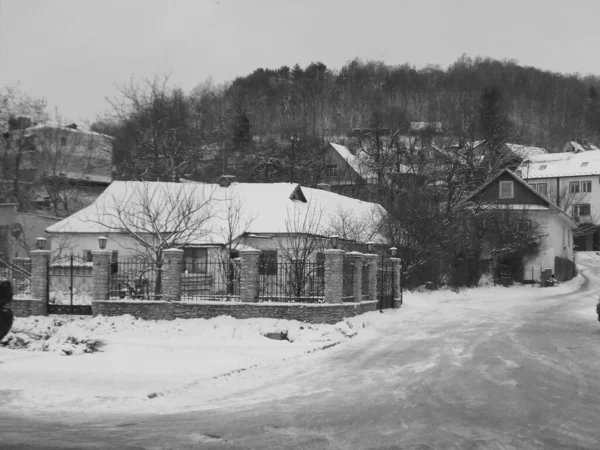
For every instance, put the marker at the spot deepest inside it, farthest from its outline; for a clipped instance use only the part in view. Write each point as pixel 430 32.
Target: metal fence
pixel 365 282
pixel 70 281
pixel 348 281
pixel 18 272
pixel 135 279
pixel 296 281
pixel 203 280
pixel 385 285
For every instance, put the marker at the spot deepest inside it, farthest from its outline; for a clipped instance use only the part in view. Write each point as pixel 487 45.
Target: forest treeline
pixel 164 133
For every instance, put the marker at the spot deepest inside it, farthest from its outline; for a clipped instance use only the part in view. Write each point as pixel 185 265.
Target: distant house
pixel 579 145
pixel 19 231
pixel 62 161
pixel 353 173
pixel 509 192
pixel 570 180
pixel 264 216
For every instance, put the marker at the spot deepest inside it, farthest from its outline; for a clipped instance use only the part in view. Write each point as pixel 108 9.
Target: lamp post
pixel 334 241
pixel 40 243
pixel 102 242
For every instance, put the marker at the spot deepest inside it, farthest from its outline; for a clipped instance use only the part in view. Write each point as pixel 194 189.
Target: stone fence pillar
pixel 171 272
pixel 100 271
pixel 356 259
pixel 397 280
pixel 249 275
pixel 334 275
pixel 40 265
pixel 371 260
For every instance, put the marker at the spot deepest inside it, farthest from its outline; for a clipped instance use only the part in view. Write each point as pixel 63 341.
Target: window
pixel 195 260
pixel 507 189
pixel 332 171
pixel 524 224
pixel 63 141
pixel 574 187
pixel 87 255
pixel 582 209
pixel 267 262
pixel 542 188
pixel 586 186
pixel 583 164
pixel 542 167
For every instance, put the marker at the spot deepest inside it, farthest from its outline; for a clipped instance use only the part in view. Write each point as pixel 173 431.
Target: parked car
pixel 6 315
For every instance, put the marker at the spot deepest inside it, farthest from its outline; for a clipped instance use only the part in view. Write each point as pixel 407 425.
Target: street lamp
pixel 393 251
pixel 334 240
pixel 102 242
pixel 370 246
pixel 40 243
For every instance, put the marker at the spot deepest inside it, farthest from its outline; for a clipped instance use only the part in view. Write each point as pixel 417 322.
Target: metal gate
pixel 70 285
pixel 385 285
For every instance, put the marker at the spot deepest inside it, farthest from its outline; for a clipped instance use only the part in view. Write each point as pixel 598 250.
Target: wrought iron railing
pixel 348 281
pixel 18 272
pixel 292 281
pixel 135 279
pixel 70 281
pixel 212 280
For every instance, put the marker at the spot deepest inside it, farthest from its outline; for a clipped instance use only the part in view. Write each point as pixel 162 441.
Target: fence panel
pixel 297 281
pixel 135 279
pixel 365 282
pixel 385 285
pixel 348 281
pixel 70 281
pixel 210 280
pixel 18 272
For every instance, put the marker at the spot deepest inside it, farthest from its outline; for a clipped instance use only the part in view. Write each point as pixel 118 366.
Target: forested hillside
pixel 165 133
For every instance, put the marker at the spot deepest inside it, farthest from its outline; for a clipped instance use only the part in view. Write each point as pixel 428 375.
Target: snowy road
pixel 516 371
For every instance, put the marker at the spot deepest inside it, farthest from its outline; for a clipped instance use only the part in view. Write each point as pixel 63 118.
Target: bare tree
pixel 157 216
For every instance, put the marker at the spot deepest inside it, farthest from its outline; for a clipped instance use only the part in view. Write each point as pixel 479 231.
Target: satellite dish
pixel 16 230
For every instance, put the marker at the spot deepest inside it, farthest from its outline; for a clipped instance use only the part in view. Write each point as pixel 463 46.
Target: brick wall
pixel 28 307
pixel 318 313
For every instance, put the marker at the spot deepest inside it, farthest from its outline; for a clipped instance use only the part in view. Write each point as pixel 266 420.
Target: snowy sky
pixel 74 52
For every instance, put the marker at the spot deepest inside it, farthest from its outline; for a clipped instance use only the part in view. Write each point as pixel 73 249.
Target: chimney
pixel 519 173
pixel 324 187
pixel 226 180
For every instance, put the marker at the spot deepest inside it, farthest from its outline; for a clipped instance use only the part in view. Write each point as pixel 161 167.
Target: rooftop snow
pixel 263 208
pixel 566 164
pixel 524 151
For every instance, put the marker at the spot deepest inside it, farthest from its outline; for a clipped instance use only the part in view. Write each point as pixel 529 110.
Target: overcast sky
pixel 74 52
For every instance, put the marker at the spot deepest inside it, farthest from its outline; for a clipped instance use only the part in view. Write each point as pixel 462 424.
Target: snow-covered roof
pixel 50 125
pixel 525 151
pixel 260 208
pixel 360 163
pixel 551 206
pixel 567 164
pixel 420 126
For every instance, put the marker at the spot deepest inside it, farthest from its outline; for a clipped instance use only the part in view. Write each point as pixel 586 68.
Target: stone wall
pixel 27 307
pixel 159 310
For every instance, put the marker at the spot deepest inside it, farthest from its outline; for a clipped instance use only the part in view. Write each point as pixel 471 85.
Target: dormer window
pixel 542 167
pixel 583 164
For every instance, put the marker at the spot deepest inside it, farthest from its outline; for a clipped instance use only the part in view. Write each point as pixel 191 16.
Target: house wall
pixel 557 242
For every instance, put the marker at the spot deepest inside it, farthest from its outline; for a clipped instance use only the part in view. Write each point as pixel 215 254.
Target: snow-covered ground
pixel 144 362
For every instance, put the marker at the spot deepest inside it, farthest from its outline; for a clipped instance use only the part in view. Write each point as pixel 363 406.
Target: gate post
pixel 334 276
pixel 356 259
pixel 100 271
pixel 396 282
pixel 172 269
pixel 371 260
pixel 40 266
pixel 249 275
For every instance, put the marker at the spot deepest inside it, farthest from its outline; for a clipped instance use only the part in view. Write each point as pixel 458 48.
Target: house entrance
pixel 70 285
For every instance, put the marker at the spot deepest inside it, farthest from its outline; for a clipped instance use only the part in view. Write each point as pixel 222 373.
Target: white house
pixel 572 181
pixel 507 190
pixel 203 218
